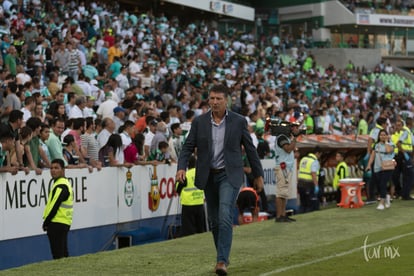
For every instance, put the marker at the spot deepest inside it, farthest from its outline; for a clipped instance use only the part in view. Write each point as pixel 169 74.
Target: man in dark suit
pixel 218 136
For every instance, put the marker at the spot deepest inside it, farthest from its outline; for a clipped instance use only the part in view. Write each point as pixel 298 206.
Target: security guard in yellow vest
pixel 192 201
pixel 402 137
pixel 308 185
pixel 57 216
pixel 341 172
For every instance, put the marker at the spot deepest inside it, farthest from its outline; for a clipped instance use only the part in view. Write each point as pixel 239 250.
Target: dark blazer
pixel 236 135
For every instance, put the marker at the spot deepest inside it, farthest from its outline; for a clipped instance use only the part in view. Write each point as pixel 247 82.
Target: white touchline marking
pixel 283 269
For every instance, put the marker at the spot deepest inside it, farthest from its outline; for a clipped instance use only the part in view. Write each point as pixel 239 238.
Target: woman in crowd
pixel 383 151
pixel 69 151
pixel 112 154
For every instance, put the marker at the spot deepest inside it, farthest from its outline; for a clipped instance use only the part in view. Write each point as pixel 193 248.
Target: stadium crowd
pixel 121 89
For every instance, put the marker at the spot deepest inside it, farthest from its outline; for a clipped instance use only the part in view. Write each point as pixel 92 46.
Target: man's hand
pixel 258 183
pixel 316 190
pixel 13 170
pixel 180 176
pixel 38 171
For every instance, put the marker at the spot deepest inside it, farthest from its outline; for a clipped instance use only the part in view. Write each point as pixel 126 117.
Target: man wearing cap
pixel 106 109
pixel 119 116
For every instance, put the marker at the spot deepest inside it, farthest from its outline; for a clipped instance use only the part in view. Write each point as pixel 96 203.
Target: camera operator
pixel 285 145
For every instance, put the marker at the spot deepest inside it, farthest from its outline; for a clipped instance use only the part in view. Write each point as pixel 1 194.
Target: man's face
pixel 56 171
pixel 59 128
pixel 153 128
pixel 111 125
pixel 19 123
pixel 8 144
pixel 38 109
pixel 121 115
pixel 60 97
pixel 178 131
pixel 217 102
pixel 398 126
pixel 44 134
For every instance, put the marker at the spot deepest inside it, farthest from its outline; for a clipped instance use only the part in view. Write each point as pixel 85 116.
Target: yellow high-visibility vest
pixel 406 145
pixel 341 172
pixel 190 194
pixel 305 172
pixel 65 211
pixel 394 139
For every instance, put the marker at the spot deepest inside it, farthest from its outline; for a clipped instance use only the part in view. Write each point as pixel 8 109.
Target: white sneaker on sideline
pixel 380 206
pixel 388 201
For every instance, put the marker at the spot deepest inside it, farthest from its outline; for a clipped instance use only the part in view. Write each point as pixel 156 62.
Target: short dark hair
pixel 163 145
pixel 317 149
pixel 68 139
pixel 55 120
pixel 12 86
pixel 189 114
pixel 59 161
pixel 175 126
pixel 220 88
pixel 15 115
pixel 381 120
pixel 78 123
pixel 89 122
pixel 129 123
pixel 33 123
pixel 341 153
pixel 6 135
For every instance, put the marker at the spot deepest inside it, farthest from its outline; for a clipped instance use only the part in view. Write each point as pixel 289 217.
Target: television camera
pixel 279 127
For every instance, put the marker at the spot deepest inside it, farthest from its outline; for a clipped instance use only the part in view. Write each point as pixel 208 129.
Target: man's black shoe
pixel 290 219
pixel 282 219
pixel 407 198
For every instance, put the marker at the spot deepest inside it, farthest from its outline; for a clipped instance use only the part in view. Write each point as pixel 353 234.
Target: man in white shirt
pixel 119 116
pixel 106 109
pixel 122 79
pixel 85 86
pixel 108 127
pixel 134 70
pixel 77 110
pixel 29 105
pixel 152 127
